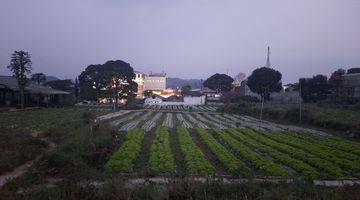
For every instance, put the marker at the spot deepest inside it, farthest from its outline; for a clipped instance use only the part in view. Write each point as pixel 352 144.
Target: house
pixel 212 97
pixel 194 98
pixel 352 81
pixel 34 94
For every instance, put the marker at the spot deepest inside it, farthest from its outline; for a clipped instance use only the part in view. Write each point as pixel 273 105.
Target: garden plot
pixel 216 122
pixel 112 115
pixel 152 122
pixel 183 122
pixel 125 119
pixel 198 123
pixel 265 125
pixel 168 122
pixel 133 124
pixel 226 121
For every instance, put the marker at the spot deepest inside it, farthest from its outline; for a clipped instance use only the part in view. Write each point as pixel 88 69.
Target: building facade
pixel 153 82
pixel 352 81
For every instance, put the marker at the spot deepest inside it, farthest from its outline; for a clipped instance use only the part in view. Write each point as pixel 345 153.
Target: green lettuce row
pixel 229 161
pixel 319 151
pixel 328 167
pixel 256 160
pixel 337 143
pixel 301 167
pixel 122 161
pixel 196 162
pixel 161 158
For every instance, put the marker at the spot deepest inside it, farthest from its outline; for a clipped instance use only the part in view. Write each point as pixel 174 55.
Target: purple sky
pixel 185 38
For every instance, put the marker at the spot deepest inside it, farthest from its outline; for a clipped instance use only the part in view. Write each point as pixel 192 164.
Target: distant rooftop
pixel 10 82
pixel 157 74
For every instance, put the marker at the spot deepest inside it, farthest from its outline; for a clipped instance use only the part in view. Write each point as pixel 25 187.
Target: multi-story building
pixel 155 81
pixel 152 82
pixel 140 80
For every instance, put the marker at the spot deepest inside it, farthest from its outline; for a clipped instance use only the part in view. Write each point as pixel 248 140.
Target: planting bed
pixel 209 143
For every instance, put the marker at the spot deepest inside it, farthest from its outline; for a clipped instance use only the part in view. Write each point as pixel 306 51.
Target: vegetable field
pixel 210 143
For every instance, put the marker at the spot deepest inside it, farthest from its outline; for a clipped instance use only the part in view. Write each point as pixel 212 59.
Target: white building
pixel 155 81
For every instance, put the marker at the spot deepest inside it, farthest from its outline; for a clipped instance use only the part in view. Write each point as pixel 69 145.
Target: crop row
pixel 124 158
pixel 285 159
pixel 152 122
pixel 257 161
pixel 322 164
pixel 133 124
pixel 184 123
pixel 197 122
pixel 318 150
pixel 112 115
pixel 196 162
pixel 347 147
pixel 161 158
pixel 168 122
pixel 215 122
pixel 124 119
pixel 229 161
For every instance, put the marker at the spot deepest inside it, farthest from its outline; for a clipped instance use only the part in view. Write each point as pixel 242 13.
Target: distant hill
pixel 51 78
pixel 178 83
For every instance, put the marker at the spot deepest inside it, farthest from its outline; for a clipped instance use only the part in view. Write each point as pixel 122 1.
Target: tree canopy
pixel 314 89
pixel 265 80
pixel 64 85
pixel 39 78
pixel 219 82
pixel 185 89
pixel 113 77
pixel 353 70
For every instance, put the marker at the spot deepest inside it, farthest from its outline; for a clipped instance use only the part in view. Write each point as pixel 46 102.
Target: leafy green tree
pixel 91 81
pixel 353 70
pixel 314 89
pixel 64 85
pixel 185 89
pixel 111 79
pixel 20 65
pixel 219 82
pixel 120 78
pixel 39 78
pixel 265 80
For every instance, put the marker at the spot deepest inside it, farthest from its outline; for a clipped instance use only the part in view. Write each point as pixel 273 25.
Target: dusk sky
pixel 185 38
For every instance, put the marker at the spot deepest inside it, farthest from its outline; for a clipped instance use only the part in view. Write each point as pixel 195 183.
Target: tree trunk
pixel 22 98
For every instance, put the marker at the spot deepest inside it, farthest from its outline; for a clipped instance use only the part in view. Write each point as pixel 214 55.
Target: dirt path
pixel 22 169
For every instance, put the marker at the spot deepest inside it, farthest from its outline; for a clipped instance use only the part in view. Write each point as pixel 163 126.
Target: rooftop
pixel 10 82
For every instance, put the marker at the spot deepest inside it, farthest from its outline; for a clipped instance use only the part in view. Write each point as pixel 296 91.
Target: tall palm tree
pixel 20 65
